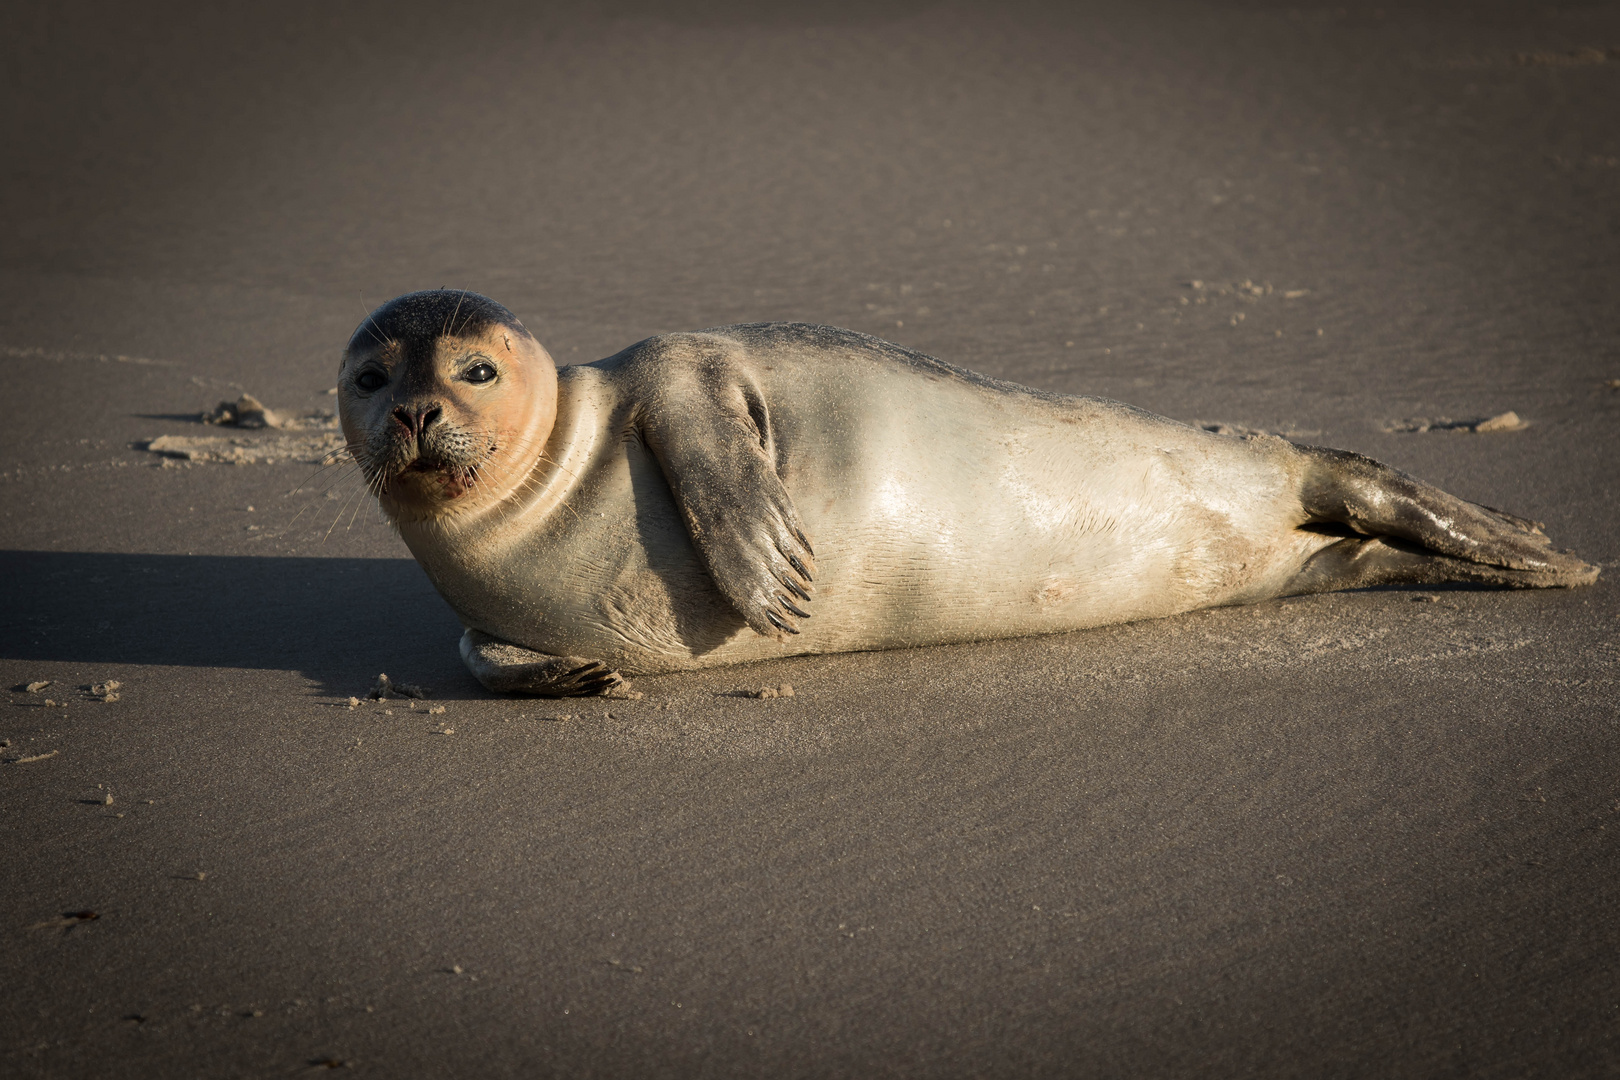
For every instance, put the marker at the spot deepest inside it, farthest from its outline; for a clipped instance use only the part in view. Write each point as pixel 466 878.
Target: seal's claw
pixel 796 564
pixel 511 669
pixel 596 679
pixel 791 606
pixel 1524 525
pixel 792 586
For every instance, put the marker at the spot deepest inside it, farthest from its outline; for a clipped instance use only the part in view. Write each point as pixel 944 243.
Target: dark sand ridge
pixel 1342 835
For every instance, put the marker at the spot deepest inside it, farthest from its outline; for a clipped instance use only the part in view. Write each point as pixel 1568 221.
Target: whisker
pixel 457 311
pixel 373 329
pixel 338 518
pixel 323 467
pixel 343 501
pixel 357 508
pixel 309 502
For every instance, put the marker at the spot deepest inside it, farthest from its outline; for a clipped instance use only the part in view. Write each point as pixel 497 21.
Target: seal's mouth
pixel 433 478
pixel 426 472
pixel 441 479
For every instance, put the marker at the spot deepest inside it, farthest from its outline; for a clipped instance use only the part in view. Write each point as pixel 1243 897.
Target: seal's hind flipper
pixel 1374 500
pixel 1363 562
pixel 505 668
pixel 710 430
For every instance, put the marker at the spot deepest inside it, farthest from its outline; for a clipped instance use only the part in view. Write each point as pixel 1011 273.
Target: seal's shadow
pixel 337 621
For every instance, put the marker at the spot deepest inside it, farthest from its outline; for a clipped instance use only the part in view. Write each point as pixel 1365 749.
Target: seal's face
pixel 444 423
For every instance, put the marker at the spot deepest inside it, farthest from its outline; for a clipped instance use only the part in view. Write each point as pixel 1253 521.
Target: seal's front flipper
pixel 505 668
pixel 1374 500
pixel 712 436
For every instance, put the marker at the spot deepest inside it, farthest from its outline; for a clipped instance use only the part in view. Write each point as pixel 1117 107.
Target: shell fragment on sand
pixel 386 688
pixel 785 690
pixel 27 758
pixel 249 412
pixel 103 691
pixel 1508 421
pixel 246 411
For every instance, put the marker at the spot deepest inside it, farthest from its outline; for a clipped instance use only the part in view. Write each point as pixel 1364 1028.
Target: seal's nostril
pixel 427 416
pixel 406 420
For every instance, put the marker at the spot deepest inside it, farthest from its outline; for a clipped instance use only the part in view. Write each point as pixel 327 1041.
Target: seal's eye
pixel 480 373
pixel 371 380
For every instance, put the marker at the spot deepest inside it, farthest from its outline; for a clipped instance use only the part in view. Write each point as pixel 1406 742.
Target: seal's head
pixel 446 401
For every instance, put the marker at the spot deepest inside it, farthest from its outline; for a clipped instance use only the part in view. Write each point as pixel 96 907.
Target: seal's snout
pixel 416 421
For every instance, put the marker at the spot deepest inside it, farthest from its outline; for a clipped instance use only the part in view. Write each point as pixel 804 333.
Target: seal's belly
pixel 1046 519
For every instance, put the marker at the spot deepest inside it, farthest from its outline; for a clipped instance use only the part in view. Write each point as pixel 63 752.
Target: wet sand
pixel 1360 834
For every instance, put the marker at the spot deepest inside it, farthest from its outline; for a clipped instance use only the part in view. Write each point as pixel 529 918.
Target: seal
pixel 692 500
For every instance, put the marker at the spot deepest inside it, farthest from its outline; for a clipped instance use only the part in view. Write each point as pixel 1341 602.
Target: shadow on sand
pixel 337 621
